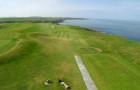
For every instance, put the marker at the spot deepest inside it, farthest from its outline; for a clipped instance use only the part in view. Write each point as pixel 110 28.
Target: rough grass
pixel 38 57
pixel 46 51
pixel 6 44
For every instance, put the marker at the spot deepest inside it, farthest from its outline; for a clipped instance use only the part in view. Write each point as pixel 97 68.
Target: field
pixel 31 20
pixel 30 53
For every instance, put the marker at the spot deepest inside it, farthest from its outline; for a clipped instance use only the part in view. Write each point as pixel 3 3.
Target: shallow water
pixel 127 29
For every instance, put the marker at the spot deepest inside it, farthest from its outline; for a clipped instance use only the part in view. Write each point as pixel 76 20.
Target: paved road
pixel 86 77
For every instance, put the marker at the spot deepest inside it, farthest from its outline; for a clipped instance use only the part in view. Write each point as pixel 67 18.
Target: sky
pixel 97 9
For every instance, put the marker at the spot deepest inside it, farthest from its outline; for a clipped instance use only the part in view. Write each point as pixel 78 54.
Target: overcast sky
pixel 100 9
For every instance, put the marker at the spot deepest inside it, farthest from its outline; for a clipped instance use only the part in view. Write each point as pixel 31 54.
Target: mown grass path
pixel 86 77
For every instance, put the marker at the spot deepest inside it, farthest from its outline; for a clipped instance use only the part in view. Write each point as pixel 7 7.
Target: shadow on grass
pixel 22 51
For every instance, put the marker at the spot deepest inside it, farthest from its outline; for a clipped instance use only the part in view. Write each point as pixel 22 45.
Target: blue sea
pixel 127 29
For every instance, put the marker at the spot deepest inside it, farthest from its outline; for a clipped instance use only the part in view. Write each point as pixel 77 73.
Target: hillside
pixel 31 53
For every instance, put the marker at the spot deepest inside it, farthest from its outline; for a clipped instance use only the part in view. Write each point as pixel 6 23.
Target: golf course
pixel 31 53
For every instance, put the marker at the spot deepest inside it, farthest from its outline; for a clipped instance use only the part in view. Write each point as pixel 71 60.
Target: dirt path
pixel 86 77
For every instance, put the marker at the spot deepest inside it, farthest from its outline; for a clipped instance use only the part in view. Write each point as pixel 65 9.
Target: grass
pixel 31 20
pixel 31 53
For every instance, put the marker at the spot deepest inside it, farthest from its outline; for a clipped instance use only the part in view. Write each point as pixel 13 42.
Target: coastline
pixel 129 35
pixel 97 31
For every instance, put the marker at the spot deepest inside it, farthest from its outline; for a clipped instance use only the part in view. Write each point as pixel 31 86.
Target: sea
pixel 127 29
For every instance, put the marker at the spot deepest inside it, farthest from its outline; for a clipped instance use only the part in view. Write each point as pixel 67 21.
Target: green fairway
pixel 31 53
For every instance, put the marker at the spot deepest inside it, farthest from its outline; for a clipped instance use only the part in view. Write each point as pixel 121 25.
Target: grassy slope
pixel 112 61
pixel 40 55
pixel 45 51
